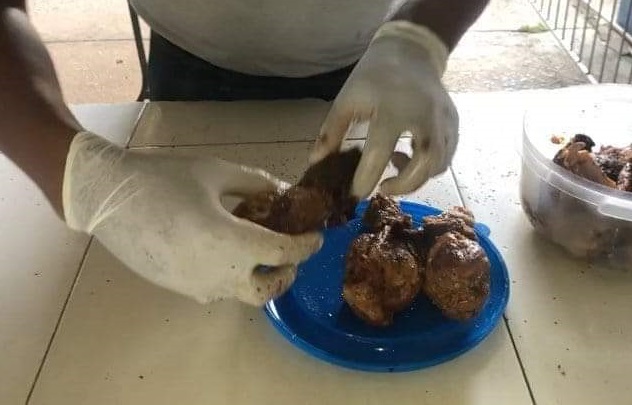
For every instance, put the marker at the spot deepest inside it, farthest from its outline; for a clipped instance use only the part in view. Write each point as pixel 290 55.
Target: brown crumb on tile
pixel 557 140
pixel 37 274
pixel 554 298
pixel 141 377
pixel 108 280
pixel 166 319
pixel 525 321
pixel 555 322
pixel 251 319
pixel 561 370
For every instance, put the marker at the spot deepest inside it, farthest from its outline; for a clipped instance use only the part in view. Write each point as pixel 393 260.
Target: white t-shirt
pixel 291 38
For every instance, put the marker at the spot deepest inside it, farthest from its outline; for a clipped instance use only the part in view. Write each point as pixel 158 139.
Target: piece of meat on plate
pixel 383 211
pixel 457 276
pixel 456 219
pixel 382 277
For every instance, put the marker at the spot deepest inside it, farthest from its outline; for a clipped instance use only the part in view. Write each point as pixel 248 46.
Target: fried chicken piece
pixel 578 159
pixel 603 167
pixel 587 145
pixel 457 276
pixel 448 244
pixel 383 211
pixel 334 175
pixel 612 160
pixel 415 240
pixel 624 181
pixel 294 211
pixel 382 277
pixel 320 199
pixel 456 219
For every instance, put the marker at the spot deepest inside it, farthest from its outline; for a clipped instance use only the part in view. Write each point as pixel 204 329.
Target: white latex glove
pixel 396 87
pixel 161 215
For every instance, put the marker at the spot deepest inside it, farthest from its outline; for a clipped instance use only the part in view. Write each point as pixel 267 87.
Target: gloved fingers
pixel 334 129
pixel 451 131
pixel 427 152
pixel 272 248
pixel 444 127
pixel 265 284
pixel 414 175
pixel 280 249
pixel 377 152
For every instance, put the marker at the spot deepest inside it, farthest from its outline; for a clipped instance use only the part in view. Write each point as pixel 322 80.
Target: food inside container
pixel 574 193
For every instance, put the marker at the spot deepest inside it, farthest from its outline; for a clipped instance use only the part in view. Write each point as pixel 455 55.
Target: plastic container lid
pixel 603 112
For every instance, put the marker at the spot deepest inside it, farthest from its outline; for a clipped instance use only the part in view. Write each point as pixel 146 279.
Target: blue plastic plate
pixel 313 316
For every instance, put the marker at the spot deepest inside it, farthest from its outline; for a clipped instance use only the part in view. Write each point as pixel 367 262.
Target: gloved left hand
pixel 161 214
pixel 396 87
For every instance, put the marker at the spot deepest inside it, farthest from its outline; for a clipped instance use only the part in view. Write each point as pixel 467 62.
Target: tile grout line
pixel 456 184
pixel 87 40
pixel 505 320
pixel 139 118
pixel 522 368
pixel 58 323
pixel 74 282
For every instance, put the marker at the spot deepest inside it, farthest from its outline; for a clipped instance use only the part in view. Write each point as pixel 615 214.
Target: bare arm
pixel 449 19
pixel 36 126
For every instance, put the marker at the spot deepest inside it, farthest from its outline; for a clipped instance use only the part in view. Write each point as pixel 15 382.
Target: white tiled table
pixel 123 341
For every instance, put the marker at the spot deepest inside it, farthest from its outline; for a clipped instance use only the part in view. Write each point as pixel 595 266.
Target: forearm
pixel 449 19
pixel 36 126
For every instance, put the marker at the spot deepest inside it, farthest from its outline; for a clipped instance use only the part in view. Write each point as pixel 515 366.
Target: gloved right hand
pixel 161 215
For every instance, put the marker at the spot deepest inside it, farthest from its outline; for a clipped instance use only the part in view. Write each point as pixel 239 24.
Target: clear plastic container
pixel 589 220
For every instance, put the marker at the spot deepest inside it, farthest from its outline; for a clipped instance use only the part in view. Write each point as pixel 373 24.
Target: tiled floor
pixel 91 43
